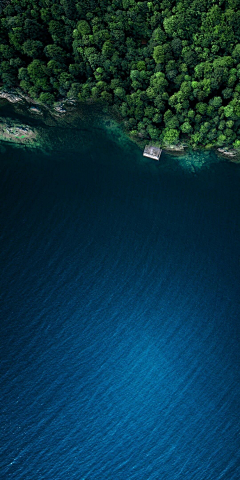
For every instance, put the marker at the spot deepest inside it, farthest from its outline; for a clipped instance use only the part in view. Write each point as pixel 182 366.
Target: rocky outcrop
pixel 12 97
pixel 11 131
pixel 16 96
pixel 60 109
pixel 229 153
pixel 175 148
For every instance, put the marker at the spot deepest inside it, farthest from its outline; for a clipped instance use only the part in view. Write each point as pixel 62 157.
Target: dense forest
pixel 171 67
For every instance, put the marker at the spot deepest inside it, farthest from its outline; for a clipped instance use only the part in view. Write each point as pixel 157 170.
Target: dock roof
pixel 152 152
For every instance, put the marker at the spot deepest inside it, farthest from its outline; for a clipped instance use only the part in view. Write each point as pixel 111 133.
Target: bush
pixel 47 98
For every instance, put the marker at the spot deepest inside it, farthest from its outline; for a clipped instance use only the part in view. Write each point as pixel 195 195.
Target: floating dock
pixel 152 152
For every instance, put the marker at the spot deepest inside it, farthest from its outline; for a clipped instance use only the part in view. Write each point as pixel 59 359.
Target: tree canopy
pixel 171 68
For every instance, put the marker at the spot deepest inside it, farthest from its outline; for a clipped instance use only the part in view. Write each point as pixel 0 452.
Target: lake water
pixel 120 312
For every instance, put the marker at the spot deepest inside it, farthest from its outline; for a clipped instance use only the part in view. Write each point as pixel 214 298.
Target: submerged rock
pixel 14 132
pixel 35 110
pixel 59 108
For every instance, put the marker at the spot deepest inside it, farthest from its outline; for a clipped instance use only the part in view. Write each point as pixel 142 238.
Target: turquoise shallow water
pixel 120 314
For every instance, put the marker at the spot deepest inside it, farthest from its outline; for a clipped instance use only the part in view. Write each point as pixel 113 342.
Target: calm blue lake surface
pixel 120 314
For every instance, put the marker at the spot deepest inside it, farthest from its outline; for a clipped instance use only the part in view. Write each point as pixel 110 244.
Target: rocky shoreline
pixel 15 96
pixel 15 132
pixel 232 154
pixel 21 134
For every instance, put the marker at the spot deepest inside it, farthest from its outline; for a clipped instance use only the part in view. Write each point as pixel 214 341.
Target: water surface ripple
pixel 120 317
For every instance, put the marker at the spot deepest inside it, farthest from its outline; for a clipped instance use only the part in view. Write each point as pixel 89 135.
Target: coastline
pixel 17 133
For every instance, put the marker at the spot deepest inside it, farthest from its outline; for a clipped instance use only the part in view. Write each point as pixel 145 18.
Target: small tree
pixel 46 98
pixel 170 136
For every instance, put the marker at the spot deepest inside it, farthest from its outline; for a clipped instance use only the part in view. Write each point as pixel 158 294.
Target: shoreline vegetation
pixel 169 71
pixel 15 132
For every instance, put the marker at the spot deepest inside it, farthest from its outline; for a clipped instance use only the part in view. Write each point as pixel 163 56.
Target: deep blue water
pixel 120 316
